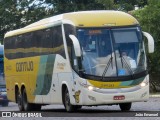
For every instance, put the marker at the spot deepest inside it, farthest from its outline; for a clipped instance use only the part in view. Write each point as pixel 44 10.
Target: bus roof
pixel 81 19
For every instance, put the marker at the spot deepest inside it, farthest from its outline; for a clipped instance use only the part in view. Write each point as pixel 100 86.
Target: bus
pixel 3 93
pixel 76 59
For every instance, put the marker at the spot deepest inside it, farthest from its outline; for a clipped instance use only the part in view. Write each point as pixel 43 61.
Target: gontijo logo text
pixel 24 66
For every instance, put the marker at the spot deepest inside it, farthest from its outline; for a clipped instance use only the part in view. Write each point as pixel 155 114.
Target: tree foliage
pixel 149 19
pixel 128 5
pixel 15 14
pixel 9 16
pixel 63 6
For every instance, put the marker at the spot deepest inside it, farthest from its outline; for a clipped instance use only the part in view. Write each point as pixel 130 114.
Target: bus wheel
pixel 27 106
pixel 78 107
pixel 125 106
pixel 19 101
pixel 68 106
pixel 36 107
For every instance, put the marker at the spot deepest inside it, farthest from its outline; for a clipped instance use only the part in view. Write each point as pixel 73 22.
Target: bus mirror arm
pixel 150 42
pixel 76 45
pixel 77 50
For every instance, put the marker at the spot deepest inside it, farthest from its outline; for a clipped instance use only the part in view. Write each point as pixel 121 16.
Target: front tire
pixel 77 107
pixel 68 106
pixel 125 106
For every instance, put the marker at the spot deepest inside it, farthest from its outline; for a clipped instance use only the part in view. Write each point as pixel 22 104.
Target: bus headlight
pixel 89 87
pixel 143 84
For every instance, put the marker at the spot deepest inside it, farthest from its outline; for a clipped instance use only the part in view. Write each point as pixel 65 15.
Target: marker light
pixel 90 88
pixel 143 84
pixel 110 24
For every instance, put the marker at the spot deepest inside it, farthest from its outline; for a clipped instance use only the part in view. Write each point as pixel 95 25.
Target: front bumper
pixel 106 96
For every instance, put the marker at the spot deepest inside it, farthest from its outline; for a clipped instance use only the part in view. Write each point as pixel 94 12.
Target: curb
pixel 154 95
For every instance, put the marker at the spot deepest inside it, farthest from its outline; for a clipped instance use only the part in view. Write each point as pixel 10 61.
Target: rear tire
pixel 68 106
pixel 36 107
pixel 19 101
pixel 27 106
pixel 125 106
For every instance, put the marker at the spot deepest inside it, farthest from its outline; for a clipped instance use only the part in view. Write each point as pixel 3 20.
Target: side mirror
pixel 150 42
pixel 76 45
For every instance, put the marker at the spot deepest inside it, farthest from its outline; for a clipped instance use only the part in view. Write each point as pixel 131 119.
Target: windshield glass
pixel 129 51
pixel 112 52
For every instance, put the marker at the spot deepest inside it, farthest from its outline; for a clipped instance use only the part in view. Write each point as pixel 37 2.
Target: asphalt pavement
pixel 140 110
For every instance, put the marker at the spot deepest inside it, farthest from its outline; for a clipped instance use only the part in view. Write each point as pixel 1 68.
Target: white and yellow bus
pixel 86 58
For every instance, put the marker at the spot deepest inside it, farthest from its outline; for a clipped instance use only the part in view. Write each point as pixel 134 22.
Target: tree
pixel 15 14
pixel 32 11
pixel 8 14
pixel 108 4
pixel 149 19
pixel 128 5
pixel 63 6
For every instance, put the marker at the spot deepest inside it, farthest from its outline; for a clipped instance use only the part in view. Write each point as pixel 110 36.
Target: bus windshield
pixel 112 52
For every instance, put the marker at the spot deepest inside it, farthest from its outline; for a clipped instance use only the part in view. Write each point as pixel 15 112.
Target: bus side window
pixel 27 43
pixel 47 42
pixel 58 41
pixel 8 43
pixel 18 44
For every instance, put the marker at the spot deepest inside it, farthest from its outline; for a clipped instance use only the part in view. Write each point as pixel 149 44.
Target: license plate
pixel 121 97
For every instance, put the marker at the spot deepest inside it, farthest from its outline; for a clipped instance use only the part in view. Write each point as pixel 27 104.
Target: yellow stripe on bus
pixel 114 85
pixel 33 49
pixel 106 85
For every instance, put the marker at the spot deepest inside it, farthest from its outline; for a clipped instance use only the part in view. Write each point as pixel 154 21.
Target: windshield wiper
pixel 125 63
pixel 107 66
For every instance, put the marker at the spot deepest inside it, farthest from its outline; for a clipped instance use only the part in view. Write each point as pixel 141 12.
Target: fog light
pixel 143 84
pixel 90 88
